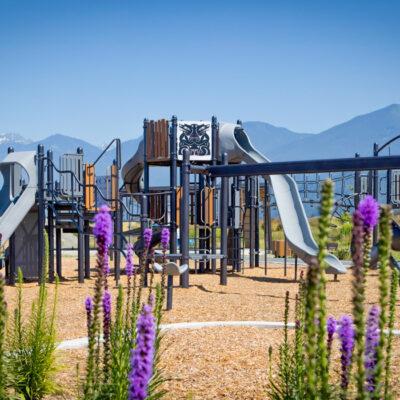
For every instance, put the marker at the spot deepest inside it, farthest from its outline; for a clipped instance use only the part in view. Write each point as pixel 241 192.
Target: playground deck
pixel 223 363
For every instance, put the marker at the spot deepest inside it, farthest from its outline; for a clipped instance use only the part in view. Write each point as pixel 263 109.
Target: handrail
pixel 379 149
pixel 61 171
pixel 118 152
pixel 109 200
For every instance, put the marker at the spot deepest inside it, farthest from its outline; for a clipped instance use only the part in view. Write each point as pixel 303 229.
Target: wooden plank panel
pixel 114 186
pixel 178 205
pixel 208 206
pixel 89 188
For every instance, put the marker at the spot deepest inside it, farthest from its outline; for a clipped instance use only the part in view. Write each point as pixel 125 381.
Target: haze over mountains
pixel 277 143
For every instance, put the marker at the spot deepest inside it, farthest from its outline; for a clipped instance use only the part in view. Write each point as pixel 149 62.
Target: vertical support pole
pixel 266 232
pixel 224 224
pixel 143 226
pixel 81 254
pixel 58 252
pixel 11 248
pixel 145 163
pixel 285 259
pixel 214 160
pixel 87 249
pixel 252 221
pixel 375 189
pixel 201 221
pixel 50 214
pixel 357 185
pixel 184 218
pixel 41 211
pixel 173 187
pixel 295 267
pixel 256 223
pixel 117 226
pixel 389 186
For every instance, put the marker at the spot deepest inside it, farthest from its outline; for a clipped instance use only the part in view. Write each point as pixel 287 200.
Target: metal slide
pixel 18 193
pixel 235 142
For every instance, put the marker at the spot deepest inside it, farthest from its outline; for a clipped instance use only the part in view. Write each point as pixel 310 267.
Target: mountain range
pixel 277 143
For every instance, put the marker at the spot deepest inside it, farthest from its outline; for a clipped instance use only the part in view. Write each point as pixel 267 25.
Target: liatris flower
pixel 394 283
pixel 129 261
pixel 147 235
pixel 346 336
pixel 358 299
pixel 369 210
pixel 103 229
pixel 371 343
pixel 323 233
pixel 165 238
pixel 384 246
pixel 331 325
pixel 142 356
pixel 106 331
pixel 369 213
pixel 89 309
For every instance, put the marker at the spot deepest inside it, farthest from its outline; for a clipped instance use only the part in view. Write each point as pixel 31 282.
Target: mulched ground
pixel 212 363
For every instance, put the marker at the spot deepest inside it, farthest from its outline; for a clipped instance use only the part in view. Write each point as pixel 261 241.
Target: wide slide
pixel 18 192
pixel 235 142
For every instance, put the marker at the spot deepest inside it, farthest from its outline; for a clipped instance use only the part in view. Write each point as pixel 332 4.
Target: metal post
pixel 389 186
pixel 375 189
pixel 50 214
pixel 357 185
pixel 143 226
pixel 295 267
pixel 266 230
pixel 256 223
pixel 184 219
pixel 214 160
pixel 224 224
pixel 58 252
pixel 41 211
pixel 87 249
pixel 12 270
pixel 81 250
pixel 11 248
pixel 117 230
pixel 173 187
pixel 252 222
pixel 285 259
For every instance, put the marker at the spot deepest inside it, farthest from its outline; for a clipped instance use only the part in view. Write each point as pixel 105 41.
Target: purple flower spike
pixel 165 238
pixel 369 209
pixel 371 343
pixel 107 304
pixel 331 325
pixel 142 356
pixel 147 235
pixel 129 260
pixel 346 335
pixel 89 304
pixel 103 229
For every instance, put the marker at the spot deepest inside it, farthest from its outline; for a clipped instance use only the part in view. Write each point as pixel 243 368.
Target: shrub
pixel 31 344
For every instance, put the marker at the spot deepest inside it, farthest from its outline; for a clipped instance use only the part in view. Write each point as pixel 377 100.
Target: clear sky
pixel 95 69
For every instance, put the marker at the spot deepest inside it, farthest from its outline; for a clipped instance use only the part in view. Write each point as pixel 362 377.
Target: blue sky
pixel 95 69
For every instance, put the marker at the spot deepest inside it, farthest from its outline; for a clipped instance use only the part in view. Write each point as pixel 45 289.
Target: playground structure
pixel 213 203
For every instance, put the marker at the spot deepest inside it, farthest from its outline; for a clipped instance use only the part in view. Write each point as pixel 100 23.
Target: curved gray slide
pixel 234 141
pixel 16 197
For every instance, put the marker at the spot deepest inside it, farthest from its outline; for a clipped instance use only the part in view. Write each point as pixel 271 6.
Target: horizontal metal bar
pixel 304 167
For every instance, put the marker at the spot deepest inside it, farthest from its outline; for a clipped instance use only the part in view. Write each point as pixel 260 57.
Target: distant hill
pixel 277 143
pixel 344 140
